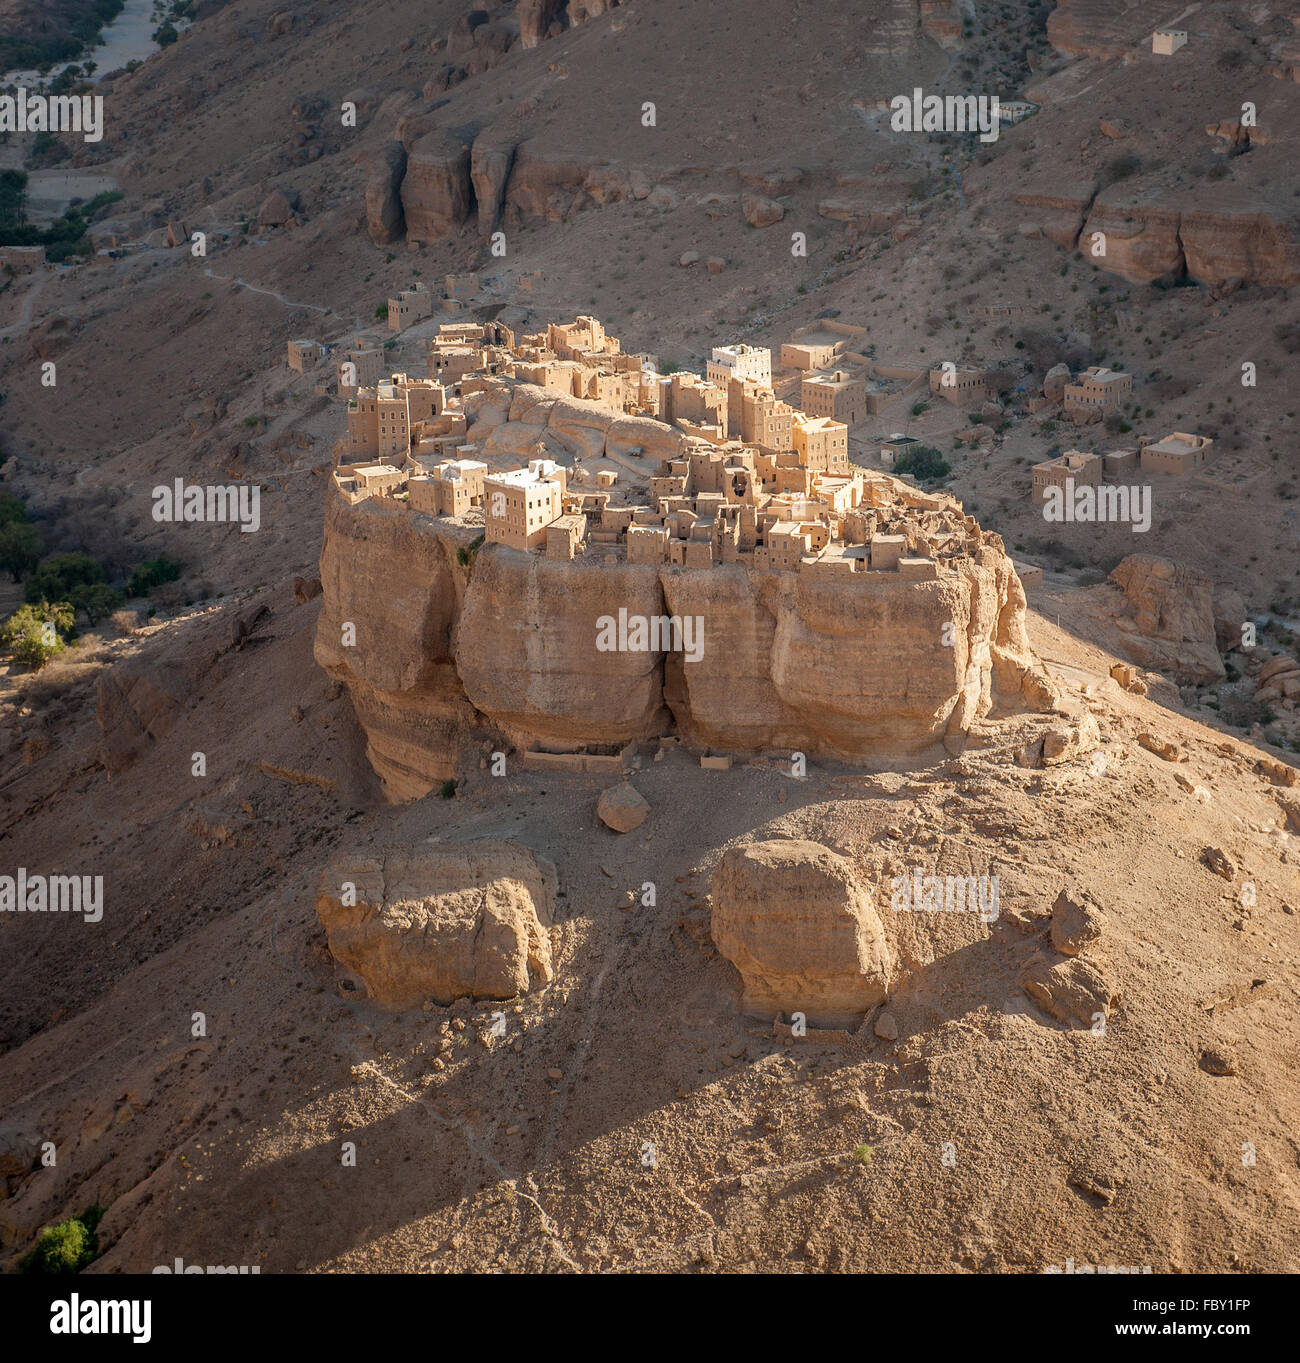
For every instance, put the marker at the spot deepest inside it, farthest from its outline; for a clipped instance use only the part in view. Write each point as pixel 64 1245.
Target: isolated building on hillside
pixel 409 307
pixel 896 446
pixel 305 355
pixel 1098 390
pixel 22 257
pixel 1178 453
pixel 1084 470
pixel 460 286
pixel 960 384
pixel 1166 41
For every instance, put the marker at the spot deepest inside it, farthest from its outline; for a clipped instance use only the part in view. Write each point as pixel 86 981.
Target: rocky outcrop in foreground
pixel 797 921
pixel 448 921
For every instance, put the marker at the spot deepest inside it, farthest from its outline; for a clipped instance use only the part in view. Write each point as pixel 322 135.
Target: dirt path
pixel 279 298
pixel 25 319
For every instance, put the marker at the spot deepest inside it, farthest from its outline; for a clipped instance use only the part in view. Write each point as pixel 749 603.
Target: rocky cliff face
pixel 1148 240
pixel 436 192
pixel 507 645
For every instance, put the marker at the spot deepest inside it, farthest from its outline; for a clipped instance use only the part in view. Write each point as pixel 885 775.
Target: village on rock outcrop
pixel 741 476
pixel 599 511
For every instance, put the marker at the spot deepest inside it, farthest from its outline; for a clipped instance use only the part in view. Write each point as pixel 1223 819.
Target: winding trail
pixel 25 319
pixel 269 293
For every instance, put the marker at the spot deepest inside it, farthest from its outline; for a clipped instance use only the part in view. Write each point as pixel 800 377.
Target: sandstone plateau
pixel 506 642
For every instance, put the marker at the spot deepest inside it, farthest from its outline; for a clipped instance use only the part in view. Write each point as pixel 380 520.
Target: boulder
pixel 1220 862
pixel 1072 991
pixel 461 39
pixel 797 921
pixel 622 808
pixel 20 1150
pixel 442 921
pixel 1162 747
pixel 1277 667
pixel 277 208
pixel 1229 609
pixel 244 623
pixel 385 221
pixel 1069 739
pixel 1168 618
pixel 1054 382
pixel 760 211
pixel 536 18
pixel 582 10
pixel 305 588
pixel 1077 923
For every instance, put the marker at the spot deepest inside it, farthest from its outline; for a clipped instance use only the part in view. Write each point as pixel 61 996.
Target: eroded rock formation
pixel 438 637
pixel 797 921
pixel 442 922
pixel 1167 616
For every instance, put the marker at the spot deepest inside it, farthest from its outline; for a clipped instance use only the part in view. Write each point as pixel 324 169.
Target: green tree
pixel 31 635
pixel 98 600
pixel 924 463
pixel 153 572
pixel 20 548
pixel 11 509
pixel 65 1248
pixel 55 578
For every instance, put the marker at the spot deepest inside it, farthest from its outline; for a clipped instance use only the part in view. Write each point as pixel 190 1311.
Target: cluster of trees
pixel 64 237
pixel 62 35
pixel 60 587
pixel 66 1248
pixel 924 463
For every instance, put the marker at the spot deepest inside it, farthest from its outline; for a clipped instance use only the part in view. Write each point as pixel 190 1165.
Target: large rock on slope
pixel 436 189
pixel 760 211
pixel 441 922
pixel 491 158
pixel 536 18
pixel 797 921
pixel 622 807
pixel 385 220
pixel 1167 616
